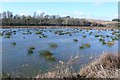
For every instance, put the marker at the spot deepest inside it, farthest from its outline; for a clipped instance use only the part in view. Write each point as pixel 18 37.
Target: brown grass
pixel 100 21
pixel 107 66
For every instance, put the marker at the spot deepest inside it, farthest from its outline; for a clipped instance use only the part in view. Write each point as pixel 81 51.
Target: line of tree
pixel 8 19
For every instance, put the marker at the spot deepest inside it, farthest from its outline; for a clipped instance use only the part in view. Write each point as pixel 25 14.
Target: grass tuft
pixel 75 40
pixel 30 50
pixel 14 43
pixel 53 45
pixel 47 55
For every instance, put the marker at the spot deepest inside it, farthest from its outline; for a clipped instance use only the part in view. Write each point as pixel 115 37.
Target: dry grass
pixel 101 21
pixel 107 66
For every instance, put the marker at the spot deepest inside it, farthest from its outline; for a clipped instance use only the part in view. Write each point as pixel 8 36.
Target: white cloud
pixel 27 13
pixel 39 12
pixel 65 13
pixel 24 13
pixel 79 13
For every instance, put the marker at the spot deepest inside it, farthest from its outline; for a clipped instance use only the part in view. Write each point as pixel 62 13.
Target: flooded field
pixel 30 51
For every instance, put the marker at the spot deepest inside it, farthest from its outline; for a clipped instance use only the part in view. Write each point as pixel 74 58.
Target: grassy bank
pixel 106 66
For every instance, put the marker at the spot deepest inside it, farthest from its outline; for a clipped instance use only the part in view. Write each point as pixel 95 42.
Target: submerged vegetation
pixel 75 40
pixel 38 32
pixel 14 43
pixel 101 39
pixel 84 36
pixel 48 55
pixel 7 36
pixel 86 45
pixel 103 42
pixel 30 50
pixel 96 35
pixel 53 45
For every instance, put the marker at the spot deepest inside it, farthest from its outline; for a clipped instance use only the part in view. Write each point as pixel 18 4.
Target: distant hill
pixel 108 23
pixel 100 21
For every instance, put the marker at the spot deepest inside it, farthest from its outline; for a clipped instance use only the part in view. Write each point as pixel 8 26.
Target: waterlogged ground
pixel 21 48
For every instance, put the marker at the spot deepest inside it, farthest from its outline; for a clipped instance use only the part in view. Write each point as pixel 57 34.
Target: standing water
pixel 27 52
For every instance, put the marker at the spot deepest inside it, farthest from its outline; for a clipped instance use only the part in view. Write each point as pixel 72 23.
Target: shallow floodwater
pixel 17 61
